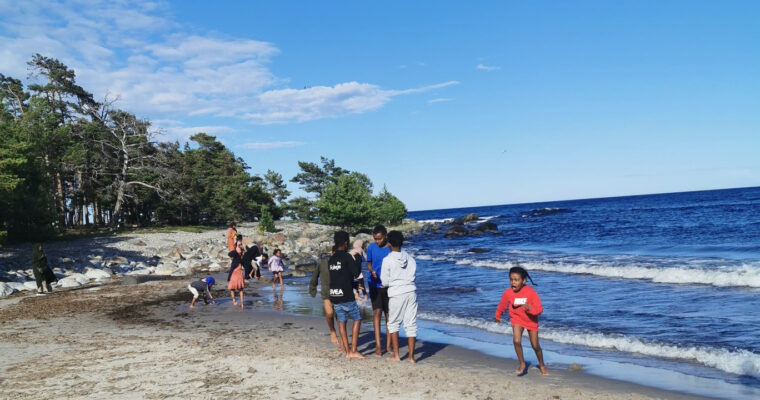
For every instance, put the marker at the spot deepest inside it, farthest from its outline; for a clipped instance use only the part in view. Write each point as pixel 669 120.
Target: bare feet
pixel 544 371
pixel 192 306
pixel 394 359
pixel 378 354
pixel 411 360
pixel 520 370
pixel 334 338
pixel 354 354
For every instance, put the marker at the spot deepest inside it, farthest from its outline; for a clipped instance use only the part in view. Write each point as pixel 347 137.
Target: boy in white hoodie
pixel 398 273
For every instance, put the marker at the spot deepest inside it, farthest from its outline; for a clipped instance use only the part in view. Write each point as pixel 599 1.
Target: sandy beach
pixel 142 341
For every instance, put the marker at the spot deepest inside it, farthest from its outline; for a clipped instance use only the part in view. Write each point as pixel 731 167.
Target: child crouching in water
pixel 201 287
pixel 524 307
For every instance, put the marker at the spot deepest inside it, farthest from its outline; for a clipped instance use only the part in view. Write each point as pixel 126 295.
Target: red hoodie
pixel 518 316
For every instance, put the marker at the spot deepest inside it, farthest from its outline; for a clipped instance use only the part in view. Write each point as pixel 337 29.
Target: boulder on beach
pixel 73 280
pixel 215 267
pixel 5 289
pixel 116 261
pixel 165 269
pixel 456 231
pixel 94 273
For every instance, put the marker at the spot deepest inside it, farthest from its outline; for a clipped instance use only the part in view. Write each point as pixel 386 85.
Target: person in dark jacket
pixel 42 272
pixel 249 262
pixel 322 275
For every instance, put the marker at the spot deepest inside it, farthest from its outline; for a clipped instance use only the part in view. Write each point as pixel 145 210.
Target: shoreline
pixel 143 341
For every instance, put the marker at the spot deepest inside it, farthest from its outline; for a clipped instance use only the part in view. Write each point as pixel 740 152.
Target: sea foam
pixel 739 362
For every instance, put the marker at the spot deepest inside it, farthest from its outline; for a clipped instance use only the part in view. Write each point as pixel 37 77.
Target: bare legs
pixel 232 295
pixel 376 317
pixel 411 341
pixel 350 351
pixel 517 332
pixel 277 276
pixel 330 317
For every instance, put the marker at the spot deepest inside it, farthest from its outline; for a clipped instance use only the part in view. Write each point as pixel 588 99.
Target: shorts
pixel 379 297
pixel 347 310
pixel 194 291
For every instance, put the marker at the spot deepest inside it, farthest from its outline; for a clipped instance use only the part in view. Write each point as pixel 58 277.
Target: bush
pixel 387 209
pixel 347 202
pixel 266 222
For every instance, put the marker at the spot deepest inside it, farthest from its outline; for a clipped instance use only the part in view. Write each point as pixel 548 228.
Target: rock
pixel 478 250
pixel 141 271
pixel 73 280
pixel 365 237
pixel 298 273
pixel 176 254
pixel 116 261
pixel 574 367
pixel 5 289
pixel 93 273
pixel 139 242
pixel 181 272
pixel 279 238
pixel 30 285
pixel 66 261
pixel 165 269
pixel 487 227
pixel 456 231
pixel 215 267
pixel 471 217
pixel 153 261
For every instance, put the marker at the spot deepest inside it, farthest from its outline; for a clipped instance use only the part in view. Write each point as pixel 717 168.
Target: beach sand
pixel 142 341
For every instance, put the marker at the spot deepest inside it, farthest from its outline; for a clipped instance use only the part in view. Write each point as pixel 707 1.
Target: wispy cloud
pixel 270 145
pixel 488 68
pixel 137 51
pixel 440 100
pixel 318 102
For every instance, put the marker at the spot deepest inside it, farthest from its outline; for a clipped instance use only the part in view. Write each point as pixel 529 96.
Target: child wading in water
pixel 524 307
pixel 276 266
pixel 236 278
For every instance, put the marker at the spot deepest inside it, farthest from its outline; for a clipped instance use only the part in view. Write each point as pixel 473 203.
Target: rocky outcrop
pixel 456 231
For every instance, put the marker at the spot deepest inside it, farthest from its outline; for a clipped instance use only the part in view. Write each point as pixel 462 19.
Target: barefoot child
pixel 343 270
pixel 524 307
pixel 237 280
pixel 201 287
pixel 398 273
pixel 322 276
pixel 276 266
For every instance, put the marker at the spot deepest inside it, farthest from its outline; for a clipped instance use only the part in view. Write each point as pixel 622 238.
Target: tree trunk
pixel 62 211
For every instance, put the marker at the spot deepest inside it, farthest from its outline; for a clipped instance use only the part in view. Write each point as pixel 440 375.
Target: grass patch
pixel 82 233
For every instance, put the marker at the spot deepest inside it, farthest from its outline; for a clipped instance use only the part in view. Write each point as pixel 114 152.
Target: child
pixel 398 272
pixel 524 307
pixel 343 269
pixel 360 292
pixel 237 280
pixel 202 286
pixel 276 266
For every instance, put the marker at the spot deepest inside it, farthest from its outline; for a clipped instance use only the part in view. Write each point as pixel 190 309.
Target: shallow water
pixel 667 281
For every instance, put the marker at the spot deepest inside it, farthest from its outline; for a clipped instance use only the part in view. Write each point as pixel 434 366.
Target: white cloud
pixel 487 68
pixel 440 100
pixel 136 51
pixel 270 145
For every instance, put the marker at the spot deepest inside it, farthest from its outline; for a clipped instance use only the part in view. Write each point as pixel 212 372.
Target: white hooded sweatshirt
pixel 398 273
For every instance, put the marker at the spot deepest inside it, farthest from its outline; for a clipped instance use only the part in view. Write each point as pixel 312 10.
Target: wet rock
pixel 487 227
pixel 574 367
pixel 456 231
pixel 478 250
pixel 139 242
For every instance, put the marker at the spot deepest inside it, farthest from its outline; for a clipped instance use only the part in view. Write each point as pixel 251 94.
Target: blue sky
pixel 449 104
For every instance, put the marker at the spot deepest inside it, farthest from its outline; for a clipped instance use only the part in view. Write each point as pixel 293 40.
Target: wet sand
pixel 143 342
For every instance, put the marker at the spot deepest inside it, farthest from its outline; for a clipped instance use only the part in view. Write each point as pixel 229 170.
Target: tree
pixel 275 186
pixel 301 208
pixel 387 209
pixel 314 179
pixel 266 223
pixel 347 202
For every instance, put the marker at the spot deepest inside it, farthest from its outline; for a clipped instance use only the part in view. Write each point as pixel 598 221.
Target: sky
pixel 448 104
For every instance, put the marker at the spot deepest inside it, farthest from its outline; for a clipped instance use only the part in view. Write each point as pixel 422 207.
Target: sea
pixel 661 290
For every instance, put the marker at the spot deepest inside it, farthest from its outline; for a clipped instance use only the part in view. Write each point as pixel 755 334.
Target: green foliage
pixel 387 209
pixel 266 223
pixel 347 202
pixel 314 179
pixel 276 187
pixel 301 208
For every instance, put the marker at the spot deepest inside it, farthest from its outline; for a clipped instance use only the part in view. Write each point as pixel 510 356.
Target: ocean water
pixel 669 281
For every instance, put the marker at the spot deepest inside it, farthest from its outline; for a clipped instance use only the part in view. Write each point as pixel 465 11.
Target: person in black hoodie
pixel 248 259
pixel 343 270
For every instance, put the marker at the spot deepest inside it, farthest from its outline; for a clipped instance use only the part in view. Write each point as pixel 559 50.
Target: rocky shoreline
pixel 145 256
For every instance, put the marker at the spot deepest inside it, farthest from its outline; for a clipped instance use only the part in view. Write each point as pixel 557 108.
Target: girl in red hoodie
pixel 524 307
